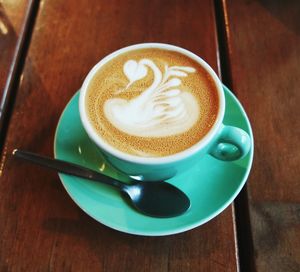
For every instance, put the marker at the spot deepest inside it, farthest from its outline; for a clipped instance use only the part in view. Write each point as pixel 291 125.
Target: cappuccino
pixel 152 102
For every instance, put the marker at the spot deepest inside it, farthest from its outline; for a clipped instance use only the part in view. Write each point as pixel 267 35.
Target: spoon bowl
pixel 157 198
pixel 152 198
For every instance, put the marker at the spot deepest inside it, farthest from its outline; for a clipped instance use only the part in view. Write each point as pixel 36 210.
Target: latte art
pixel 151 102
pixel 162 109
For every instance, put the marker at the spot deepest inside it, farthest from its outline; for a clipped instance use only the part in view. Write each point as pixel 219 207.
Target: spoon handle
pixel 67 168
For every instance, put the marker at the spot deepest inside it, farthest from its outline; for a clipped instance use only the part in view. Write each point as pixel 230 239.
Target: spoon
pixel 152 198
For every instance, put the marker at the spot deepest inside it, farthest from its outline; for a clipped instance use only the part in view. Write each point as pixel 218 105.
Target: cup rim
pixel 151 160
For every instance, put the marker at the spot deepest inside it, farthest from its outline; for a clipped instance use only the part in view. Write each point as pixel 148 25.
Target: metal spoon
pixel 153 198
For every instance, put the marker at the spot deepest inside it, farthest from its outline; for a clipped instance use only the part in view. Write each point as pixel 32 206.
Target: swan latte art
pixel 152 102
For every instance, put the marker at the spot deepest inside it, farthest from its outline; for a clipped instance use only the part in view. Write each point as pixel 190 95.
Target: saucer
pixel 211 184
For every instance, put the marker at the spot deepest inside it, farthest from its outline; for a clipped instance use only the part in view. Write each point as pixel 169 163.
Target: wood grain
pixel 264 57
pixel 42 229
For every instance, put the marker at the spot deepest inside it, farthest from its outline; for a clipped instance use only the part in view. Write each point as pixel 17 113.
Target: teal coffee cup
pixel 223 142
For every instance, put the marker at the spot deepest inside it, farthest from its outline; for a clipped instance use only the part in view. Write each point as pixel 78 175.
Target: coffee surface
pixel 152 102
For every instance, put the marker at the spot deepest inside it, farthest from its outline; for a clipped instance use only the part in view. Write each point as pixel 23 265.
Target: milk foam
pixel 162 109
pixel 185 89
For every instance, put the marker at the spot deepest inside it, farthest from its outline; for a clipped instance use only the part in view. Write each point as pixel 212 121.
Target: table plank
pixel 42 229
pixel 264 57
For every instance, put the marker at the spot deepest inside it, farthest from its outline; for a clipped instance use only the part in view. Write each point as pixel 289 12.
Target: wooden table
pixel 47 48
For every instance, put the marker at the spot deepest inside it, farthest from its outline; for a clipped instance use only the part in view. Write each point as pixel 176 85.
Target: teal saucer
pixel 211 185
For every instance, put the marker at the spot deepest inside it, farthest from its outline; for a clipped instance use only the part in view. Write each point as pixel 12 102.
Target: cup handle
pixel 232 143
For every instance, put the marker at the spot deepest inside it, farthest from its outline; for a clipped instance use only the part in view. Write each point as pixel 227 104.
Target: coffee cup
pixel 154 110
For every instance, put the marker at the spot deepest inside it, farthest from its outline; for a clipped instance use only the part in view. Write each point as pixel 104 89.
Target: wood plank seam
pixel 15 72
pixel 245 249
